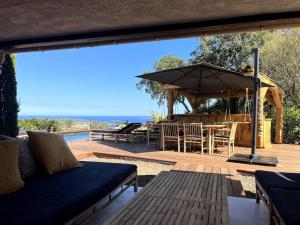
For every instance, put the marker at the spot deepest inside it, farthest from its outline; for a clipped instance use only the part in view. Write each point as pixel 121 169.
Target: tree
pixel 280 58
pixel 154 88
pixel 231 51
pixel 9 106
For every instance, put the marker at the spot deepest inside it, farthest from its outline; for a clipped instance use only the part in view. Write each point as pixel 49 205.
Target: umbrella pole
pixel 256 83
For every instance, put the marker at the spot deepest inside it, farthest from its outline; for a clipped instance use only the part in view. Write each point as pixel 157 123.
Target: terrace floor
pixel 288 156
pixel 241 210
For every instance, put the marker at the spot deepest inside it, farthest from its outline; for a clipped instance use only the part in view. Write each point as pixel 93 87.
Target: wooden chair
pixel 227 138
pixel 193 133
pixel 170 133
pixel 153 133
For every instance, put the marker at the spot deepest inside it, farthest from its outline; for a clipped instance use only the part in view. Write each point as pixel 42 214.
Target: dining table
pixel 211 128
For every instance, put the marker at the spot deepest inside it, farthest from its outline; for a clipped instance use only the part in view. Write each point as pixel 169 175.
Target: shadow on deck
pixel 288 155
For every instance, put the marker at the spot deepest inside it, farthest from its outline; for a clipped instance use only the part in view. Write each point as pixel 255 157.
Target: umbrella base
pixel 258 160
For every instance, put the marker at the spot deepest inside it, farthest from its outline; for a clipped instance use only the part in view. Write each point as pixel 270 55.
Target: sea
pixel 105 119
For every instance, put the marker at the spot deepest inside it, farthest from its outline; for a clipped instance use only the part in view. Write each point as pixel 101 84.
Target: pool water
pixel 76 136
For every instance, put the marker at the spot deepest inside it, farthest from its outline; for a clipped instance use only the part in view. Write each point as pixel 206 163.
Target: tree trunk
pixel 181 100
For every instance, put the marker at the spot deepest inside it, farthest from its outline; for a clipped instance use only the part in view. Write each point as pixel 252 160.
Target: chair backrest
pixel 129 128
pixel 232 131
pixel 193 129
pixel 169 129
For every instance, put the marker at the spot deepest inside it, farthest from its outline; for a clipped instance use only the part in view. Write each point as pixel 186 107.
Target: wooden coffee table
pixel 178 197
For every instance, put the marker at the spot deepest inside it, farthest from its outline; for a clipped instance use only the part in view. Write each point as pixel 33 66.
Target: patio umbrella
pixel 203 78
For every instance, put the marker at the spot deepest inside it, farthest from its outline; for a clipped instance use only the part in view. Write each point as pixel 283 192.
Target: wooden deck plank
pixel 288 155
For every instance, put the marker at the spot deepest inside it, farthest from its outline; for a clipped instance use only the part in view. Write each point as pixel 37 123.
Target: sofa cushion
pixel 28 164
pixel 57 198
pixel 287 203
pixel 10 178
pixel 52 151
pixel 269 179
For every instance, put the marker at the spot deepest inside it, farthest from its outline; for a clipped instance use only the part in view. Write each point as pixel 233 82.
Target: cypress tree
pixel 9 106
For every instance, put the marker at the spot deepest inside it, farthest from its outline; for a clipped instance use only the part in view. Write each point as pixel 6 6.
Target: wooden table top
pixel 179 198
pixel 216 126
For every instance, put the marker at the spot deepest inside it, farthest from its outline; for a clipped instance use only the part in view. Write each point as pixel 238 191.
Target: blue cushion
pixel 287 203
pixel 278 180
pixel 57 198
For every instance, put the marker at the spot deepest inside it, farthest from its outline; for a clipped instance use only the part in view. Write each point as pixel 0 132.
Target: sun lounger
pixel 127 133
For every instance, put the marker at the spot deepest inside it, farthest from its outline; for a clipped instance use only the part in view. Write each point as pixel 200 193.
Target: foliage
pixel 9 106
pixel 232 51
pixel 280 60
pixel 156 117
pixel 153 88
pixel 291 124
pixel 68 123
pixel 14 60
pixel 98 125
pixel 39 124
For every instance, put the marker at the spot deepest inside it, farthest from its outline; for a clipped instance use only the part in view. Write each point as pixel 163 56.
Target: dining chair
pixel 170 133
pixel 153 133
pixel 193 133
pixel 227 138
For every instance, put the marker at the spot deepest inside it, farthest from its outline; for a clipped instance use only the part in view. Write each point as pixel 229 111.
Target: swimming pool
pixel 76 136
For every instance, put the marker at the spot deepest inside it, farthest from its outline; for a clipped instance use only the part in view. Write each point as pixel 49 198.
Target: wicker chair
pixel 193 133
pixel 170 133
pixel 227 138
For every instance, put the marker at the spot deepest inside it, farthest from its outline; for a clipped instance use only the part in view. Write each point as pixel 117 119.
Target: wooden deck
pixel 179 198
pixel 288 156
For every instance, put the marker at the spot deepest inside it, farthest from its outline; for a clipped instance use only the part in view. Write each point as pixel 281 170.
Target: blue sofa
pixel 59 198
pixel 281 192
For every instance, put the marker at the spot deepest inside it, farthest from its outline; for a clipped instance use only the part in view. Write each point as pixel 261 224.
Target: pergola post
pixel 279 125
pixel 278 118
pixel 170 101
pixel 276 99
pixel 261 118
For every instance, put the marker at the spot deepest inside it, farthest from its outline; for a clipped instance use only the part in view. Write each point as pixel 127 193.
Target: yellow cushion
pixel 10 178
pixel 52 151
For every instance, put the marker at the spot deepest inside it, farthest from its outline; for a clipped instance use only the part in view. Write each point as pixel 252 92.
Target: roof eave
pixel 152 33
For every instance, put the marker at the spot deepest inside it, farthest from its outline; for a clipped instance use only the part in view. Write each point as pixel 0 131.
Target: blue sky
pixel 92 81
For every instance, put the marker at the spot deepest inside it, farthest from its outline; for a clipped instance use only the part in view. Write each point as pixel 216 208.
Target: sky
pixel 98 81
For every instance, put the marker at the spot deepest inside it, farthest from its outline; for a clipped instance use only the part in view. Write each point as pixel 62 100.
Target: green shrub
pixel 156 117
pixel 98 125
pixel 39 124
pixel 68 123
pixel 291 125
